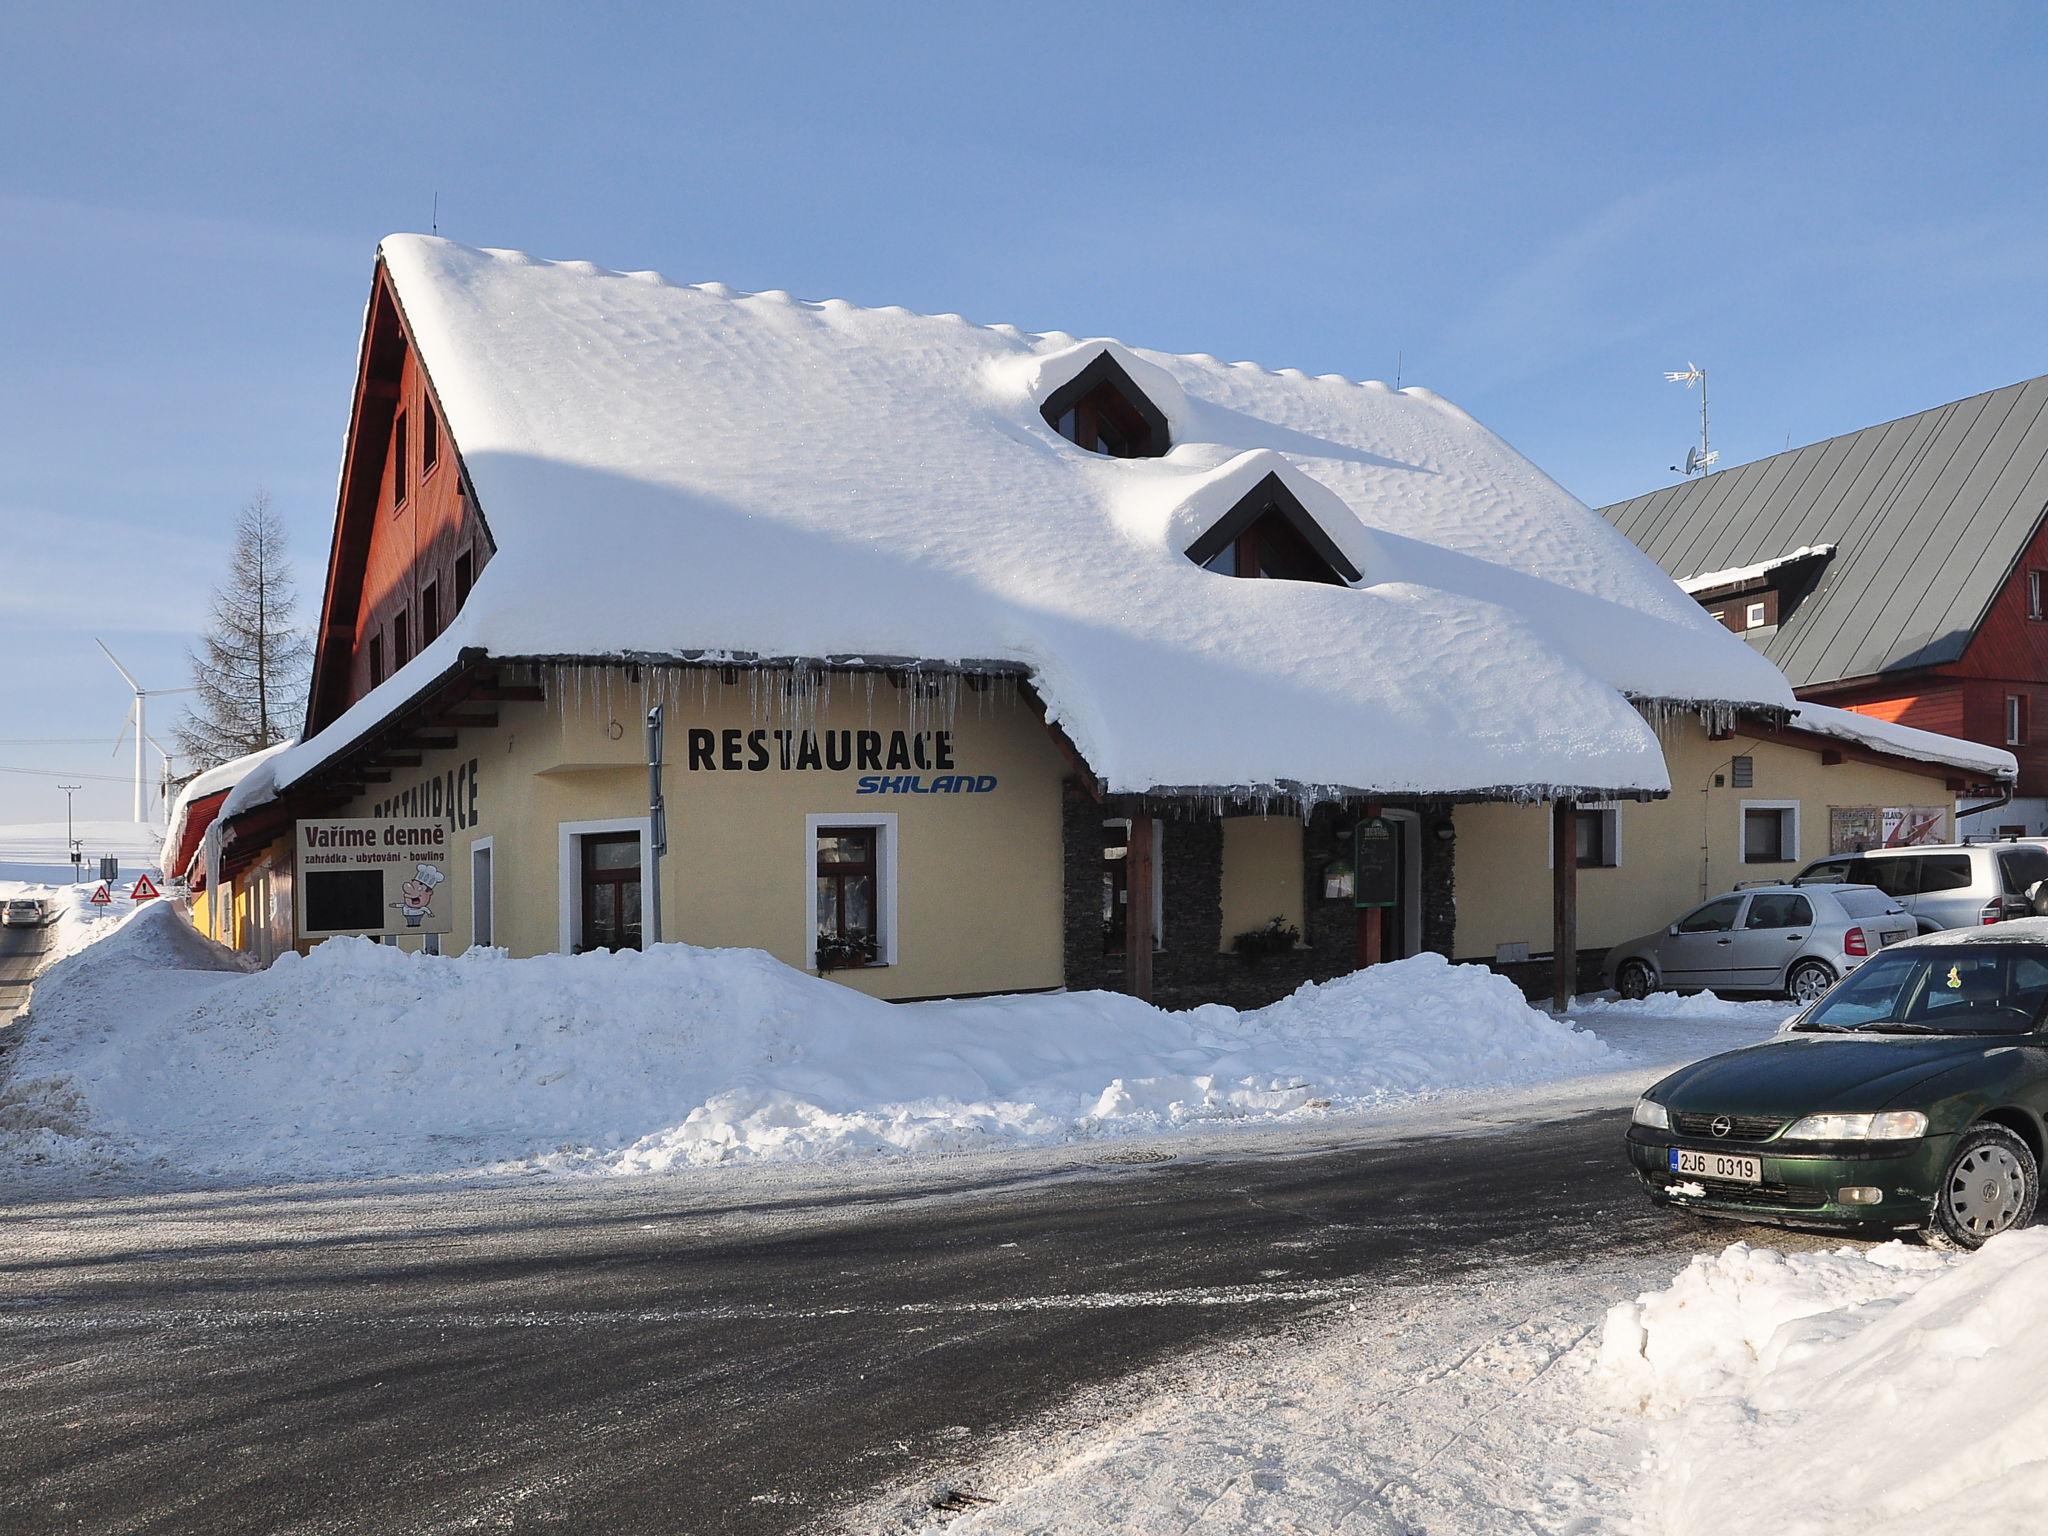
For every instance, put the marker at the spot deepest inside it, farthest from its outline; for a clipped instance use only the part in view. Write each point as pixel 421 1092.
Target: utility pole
pixel 657 828
pixel 71 842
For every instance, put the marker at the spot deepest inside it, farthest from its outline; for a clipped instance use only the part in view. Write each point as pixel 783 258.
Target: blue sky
pixel 1532 209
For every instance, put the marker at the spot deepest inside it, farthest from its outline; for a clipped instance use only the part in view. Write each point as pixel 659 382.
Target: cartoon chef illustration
pixel 418 892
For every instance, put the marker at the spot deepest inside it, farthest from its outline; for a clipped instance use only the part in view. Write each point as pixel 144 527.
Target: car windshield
pixel 1948 989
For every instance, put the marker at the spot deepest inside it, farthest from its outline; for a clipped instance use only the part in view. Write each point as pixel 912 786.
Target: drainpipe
pixel 657 828
pixel 2004 799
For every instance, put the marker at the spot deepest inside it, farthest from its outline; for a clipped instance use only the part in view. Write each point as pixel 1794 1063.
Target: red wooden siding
pixel 2008 645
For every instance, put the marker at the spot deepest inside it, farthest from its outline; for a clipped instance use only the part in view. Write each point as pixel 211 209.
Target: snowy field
pixel 35 854
pixel 157 1052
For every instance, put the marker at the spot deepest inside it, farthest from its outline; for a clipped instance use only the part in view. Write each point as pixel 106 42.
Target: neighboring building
pixel 191 849
pixel 966 686
pixel 1897 571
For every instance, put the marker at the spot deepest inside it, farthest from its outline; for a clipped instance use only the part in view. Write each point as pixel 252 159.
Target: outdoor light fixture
pixel 1444 832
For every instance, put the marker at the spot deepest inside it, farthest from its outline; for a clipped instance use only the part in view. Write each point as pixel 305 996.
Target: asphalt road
pixel 21 951
pixel 641 1356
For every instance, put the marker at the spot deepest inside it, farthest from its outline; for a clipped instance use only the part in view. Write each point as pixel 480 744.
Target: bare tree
pixel 250 671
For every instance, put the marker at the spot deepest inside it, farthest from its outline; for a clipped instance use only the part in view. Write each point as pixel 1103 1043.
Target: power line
pixel 59 773
pixel 53 741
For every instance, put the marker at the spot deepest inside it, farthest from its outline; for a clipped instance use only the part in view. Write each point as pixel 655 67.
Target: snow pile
pixel 1735 575
pixel 1675 1005
pixel 1905 740
pixel 1884 1391
pixel 362 1058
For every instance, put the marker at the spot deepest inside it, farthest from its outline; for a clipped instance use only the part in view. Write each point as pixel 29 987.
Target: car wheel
pixel 1634 980
pixel 1991 1186
pixel 1809 979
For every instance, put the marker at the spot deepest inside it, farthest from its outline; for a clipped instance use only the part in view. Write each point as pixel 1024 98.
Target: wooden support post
pixel 1564 872
pixel 1138 933
pixel 1372 921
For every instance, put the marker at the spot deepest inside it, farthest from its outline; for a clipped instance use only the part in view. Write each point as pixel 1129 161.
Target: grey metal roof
pixel 1928 515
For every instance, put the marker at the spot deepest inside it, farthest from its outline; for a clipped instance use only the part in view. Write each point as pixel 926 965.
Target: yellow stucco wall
pixel 1261 873
pixel 1674 852
pixel 978 875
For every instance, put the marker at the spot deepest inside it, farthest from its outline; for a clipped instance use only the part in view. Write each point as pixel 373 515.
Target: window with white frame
pixel 1770 831
pixel 2037 599
pixel 483 894
pixel 850 891
pixel 2015 720
pixel 1597 829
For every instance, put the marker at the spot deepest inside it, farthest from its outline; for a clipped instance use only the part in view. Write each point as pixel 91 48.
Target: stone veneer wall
pixel 1190 968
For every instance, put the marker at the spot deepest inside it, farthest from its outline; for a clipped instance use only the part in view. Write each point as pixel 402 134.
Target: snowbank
pixel 1674 1005
pixel 1880 1391
pixel 363 1059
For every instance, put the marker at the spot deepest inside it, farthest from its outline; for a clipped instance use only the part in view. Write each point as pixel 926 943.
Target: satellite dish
pixel 1692 461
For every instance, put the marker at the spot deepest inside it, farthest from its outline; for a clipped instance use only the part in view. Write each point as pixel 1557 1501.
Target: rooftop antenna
pixel 436 219
pixel 1697 460
pixel 1399 358
pixel 137 717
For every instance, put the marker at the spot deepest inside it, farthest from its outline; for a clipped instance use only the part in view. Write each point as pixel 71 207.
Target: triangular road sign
pixel 100 898
pixel 143 889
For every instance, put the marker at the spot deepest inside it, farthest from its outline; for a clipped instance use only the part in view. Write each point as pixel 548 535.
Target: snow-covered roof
pixel 1906 741
pixel 671 470
pixel 1706 581
pixel 212 781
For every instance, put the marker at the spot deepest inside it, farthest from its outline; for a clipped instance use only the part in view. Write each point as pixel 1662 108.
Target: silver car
pixel 1793 939
pixel 21 912
pixel 1947 885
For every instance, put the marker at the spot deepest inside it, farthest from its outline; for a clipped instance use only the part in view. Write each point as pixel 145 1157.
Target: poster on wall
pixel 372 878
pixel 1853 828
pixel 1907 826
pixel 1376 863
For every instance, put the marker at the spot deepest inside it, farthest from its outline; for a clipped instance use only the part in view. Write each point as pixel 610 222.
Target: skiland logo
pixel 914 784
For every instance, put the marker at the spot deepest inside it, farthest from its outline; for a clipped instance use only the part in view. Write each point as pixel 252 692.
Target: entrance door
pixel 611 892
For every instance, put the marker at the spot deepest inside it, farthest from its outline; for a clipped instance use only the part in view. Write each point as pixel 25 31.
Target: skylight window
pixel 1270 534
pixel 1102 410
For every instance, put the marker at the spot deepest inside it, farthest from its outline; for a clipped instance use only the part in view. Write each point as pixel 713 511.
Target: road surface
pixel 21 951
pixel 649 1356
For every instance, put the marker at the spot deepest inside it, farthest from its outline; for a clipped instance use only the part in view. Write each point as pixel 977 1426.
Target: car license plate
pixel 1734 1168
pixel 1893 937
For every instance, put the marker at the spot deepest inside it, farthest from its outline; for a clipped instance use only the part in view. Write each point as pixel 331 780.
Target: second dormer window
pixel 1102 410
pixel 1271 534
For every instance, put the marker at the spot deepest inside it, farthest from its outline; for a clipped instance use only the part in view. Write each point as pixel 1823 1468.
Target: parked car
pixel 1765 938
pixel 1910 1097
pixel 22 912
pixel 1952 885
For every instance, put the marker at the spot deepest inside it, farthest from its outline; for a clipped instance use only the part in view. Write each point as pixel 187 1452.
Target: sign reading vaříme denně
pixel 372 877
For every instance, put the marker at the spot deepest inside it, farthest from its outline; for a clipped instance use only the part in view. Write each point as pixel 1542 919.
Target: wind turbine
pixel 137 716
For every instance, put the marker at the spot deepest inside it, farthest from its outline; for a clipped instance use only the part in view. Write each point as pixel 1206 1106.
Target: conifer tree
pixel 251 668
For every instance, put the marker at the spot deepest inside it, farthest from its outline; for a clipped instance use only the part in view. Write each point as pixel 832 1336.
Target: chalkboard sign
pixel 1377 862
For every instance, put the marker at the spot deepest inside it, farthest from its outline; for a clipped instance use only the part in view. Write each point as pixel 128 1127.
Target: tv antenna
pixel 1697 460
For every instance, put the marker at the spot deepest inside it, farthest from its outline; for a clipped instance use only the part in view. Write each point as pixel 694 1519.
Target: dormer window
pixel 1270 533
pixel 1102 410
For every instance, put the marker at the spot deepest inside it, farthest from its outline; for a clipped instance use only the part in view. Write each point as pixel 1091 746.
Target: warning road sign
pixel 100 898
pixel 143 889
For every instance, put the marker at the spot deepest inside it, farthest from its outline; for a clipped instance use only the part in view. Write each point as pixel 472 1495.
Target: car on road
pixel 1950 885
pixel 1913 1097
pixel 1787 939
pixel 22 912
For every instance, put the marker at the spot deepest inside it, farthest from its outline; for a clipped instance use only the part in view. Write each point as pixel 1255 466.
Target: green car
pixel 1910 1097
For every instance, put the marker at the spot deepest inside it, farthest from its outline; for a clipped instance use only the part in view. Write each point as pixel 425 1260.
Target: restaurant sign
pixel 372 877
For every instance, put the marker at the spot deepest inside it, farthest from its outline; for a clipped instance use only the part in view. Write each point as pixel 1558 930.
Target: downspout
pixel 2004 799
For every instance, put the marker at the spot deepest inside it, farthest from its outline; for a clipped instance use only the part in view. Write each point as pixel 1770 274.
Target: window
pixel 848 874
pixel 1103 411
pixel 1770 832
pixel 401 465
pixel 1753 616
pixel 401 642
pixel 1116 886
pixel 1742 772
pixel 430 612
pixel 2015 719
pixel 1779 910
pixel 1270 533
pixel 465 578
pixel 1936 872
pixel 1715 917
pixel 1598 830
pixel 483 896
pixel 2036 580
pixel 2022 868
pixel 611 892
pixel 376 660
pixel 430 438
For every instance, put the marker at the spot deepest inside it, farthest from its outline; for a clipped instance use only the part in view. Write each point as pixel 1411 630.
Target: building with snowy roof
pixel 988 660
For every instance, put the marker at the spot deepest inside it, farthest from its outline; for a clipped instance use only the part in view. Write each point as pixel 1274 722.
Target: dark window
pixel 430 612
pixel 1779 911
pixel 401 464
pixel 1596 839
pixel 849 929
pixel 1714 917
pixel 2015 719
pixel 465 578
pixel 1273 548
pixel 376 660
pixel 401 641
pixel 611 892
pixel 430 438
pixel 1940 871
pixel 1102 410
pixel 344 900
pixel 2021 868
pixel 1766 836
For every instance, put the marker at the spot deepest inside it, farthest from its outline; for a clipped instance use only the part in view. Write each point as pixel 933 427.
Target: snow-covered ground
pixel 157 1051
pixel 36 853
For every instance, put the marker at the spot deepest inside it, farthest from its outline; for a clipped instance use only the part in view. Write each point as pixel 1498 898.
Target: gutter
pixel 2004 799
